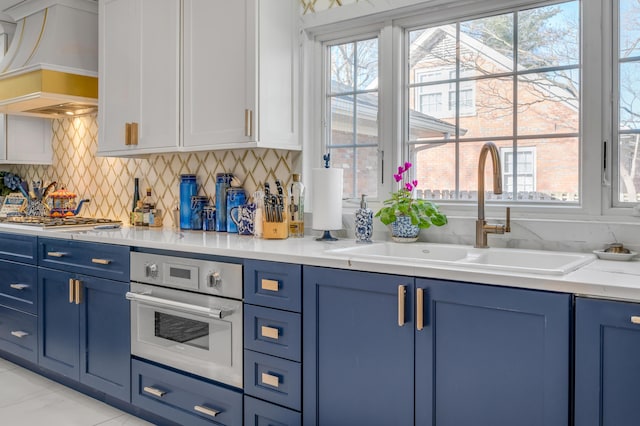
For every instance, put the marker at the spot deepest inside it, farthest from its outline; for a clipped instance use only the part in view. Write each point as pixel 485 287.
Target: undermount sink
pixel 499 259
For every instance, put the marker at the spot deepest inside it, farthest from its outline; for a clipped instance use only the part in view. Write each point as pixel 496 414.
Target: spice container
pixel 223 181
pixel 209 218
pixel 198 202
pixel 188 188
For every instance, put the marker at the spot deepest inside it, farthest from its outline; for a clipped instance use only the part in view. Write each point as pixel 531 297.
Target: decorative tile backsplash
pixel 108 182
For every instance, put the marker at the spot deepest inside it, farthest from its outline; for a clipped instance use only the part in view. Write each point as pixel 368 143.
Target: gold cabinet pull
pixel 55 254
pixel 19 334
pixel 402 290
pixel 77 291
pixel 270 332
pixel 419 309
pixel 248 122
pixel 153 391
pixel 271 285
pixel 18 286
pixel 134 134
pixel 101 261
pixel 271 380
pixel 72 286
pixel 635 320
pixel 127 133
pixel 206 410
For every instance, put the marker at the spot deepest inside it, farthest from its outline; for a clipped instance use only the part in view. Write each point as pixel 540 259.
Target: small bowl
pixel 604 255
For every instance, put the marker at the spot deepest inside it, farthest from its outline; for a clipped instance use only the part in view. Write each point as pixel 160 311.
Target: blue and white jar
pixel 364 222
pixel 402 231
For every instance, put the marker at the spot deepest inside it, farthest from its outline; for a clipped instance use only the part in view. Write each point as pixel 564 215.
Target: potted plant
pixel 404 213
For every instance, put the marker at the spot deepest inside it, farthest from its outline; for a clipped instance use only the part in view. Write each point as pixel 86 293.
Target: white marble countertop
pixel 600 278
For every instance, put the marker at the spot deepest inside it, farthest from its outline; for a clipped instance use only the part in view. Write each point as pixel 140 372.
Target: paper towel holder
pixel 326 236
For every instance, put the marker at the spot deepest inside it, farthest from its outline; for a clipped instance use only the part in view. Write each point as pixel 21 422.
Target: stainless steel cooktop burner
pixel 48 222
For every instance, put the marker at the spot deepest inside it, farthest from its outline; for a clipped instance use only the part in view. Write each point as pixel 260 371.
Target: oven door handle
pixel 178 306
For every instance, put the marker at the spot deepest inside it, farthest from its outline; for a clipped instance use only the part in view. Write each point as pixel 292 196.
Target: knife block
pixel 275 230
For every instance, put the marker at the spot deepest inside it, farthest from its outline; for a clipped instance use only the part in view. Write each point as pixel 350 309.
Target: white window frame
pixel 596 103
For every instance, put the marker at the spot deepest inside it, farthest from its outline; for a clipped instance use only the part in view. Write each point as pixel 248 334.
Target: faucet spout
pixel 482 228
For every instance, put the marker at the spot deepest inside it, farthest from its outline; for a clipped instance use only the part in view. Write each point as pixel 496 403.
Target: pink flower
pixel 407 166
pixel 415 183
pixel 397 177
pixel 408 186
pixel 400 170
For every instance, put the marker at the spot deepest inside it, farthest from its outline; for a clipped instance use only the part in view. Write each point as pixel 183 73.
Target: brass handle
pixel 19 334
pixel 248 122
pixel 420 309
pixel 153 391
pixel 271 285
pixel 18 286
pixel 55 254
pixel 72 285
pixel 205 410
pixel 78 294
pixel 507 226
pixel 134 134
pixel 402 291
pixel 101 261
pixel 635 320
pixel 127 133
pixel 271 380
pixel 270 332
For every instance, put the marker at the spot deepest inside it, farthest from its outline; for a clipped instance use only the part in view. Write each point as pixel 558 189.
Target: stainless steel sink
pixel 498 259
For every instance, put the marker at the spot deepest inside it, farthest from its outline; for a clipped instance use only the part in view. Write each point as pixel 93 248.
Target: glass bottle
pixel 296 207
pixel 188 188
pixel 136 198
pixel 138 215
pixel 148 207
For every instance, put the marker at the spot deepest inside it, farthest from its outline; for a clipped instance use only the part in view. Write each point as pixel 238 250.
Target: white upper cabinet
pixel 25 140
pixel 138 105
pixel 231 83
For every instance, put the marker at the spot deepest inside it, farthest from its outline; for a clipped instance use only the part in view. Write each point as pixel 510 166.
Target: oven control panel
pixel 204 276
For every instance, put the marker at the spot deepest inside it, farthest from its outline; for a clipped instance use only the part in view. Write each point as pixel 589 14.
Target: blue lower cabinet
pixel 357 359
pixel 273 379
pixel 18 286
pixel 84 330
pixel 273 332
pixel 261 413
pixel 183 399
pixel 490 355
pixel 607 363
pixel 19 248
pixel 19 333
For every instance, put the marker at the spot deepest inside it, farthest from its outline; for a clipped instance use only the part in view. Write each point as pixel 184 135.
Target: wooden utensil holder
pixel 275 230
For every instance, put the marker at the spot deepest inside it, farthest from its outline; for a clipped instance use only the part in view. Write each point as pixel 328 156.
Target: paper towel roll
pixel 327 199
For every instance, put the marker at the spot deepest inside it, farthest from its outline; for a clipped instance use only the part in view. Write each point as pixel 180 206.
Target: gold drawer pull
pixel 401 299
pixel 270 332
pixel 271 285
pixel 72 286
pixel 420 309
pixel 19 334
pixel 635 320
pixel 153 391
pixel 134 134
pixel 78 297
pixel 18 286
pixel 101 261
pixel 205 410
pixel 271 380
pixel 56 254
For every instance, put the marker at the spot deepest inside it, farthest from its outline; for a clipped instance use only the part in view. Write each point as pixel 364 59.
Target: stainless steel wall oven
pixel 187 314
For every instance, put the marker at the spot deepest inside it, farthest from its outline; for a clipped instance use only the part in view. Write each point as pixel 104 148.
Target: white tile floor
pixel 28 399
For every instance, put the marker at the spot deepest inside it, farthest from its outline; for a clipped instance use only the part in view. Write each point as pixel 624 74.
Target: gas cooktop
pixel 57 222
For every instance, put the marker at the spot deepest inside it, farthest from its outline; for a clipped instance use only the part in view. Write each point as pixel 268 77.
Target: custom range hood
pixel 51 66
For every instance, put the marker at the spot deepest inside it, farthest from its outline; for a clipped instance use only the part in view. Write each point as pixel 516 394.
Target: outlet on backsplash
pixel 108 182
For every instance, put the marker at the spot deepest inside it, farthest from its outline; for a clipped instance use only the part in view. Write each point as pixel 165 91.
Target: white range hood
pixel 51 66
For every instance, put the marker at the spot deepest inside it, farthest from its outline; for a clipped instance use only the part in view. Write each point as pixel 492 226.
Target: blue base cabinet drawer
pixel 18 248
pixel 183 399
pixel 273 284
pixel 273 379
pixel 19 333
pixel 273 332
pixel 95 259
pixel 19 286
pixel 260 413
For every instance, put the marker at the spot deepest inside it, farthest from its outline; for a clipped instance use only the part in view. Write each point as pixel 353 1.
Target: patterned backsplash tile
pixel 108 182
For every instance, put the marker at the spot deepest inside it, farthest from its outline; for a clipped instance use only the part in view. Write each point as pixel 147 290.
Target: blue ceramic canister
pixel 223 182
pixel 198 203
pixel 188 188
pixel 209 218
pixel 235 198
